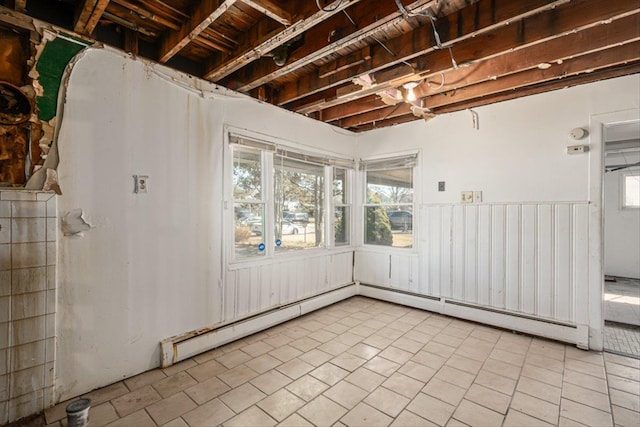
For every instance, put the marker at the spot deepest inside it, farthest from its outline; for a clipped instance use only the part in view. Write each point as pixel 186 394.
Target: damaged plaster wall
pixel 151 265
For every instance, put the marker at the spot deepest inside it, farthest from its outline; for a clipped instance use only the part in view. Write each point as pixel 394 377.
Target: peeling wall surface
pixel 150 268
pixel 151 265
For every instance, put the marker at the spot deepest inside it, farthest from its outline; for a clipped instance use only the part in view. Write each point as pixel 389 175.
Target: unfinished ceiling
pixel 364 64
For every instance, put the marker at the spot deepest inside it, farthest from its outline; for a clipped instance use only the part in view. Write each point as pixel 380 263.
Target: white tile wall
pixel 28 296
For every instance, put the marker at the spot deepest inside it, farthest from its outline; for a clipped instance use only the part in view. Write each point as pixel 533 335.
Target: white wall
pixel 152 266
pixel 621 226
pixel 526 248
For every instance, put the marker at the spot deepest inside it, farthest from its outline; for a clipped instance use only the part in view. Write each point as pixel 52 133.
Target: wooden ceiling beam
pixel 88 15
pixel 370 103
pixel 204 14
pixel 254 49
pixel 386 113
pixel 144 13
pixel 271 9
pixel 320 42
pixel 518 34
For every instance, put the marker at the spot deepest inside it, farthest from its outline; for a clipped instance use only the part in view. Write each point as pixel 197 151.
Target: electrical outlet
pixel 440 185
pixel 141 183
pixel 477 197
pixel 466 197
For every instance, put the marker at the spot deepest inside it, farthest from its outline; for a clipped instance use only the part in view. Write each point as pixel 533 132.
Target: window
pixel 341 207
pixel 280 202
pixel 631 189
pixel 388 209
pixel 248 202
pixel 299 204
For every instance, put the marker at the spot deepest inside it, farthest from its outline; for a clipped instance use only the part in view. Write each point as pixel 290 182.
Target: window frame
pixel 623 187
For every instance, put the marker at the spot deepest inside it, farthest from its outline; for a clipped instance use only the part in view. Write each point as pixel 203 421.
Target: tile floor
pixel 363 362
pixel 622 301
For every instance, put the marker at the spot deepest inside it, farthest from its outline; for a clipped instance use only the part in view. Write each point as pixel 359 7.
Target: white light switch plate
pixel 477 197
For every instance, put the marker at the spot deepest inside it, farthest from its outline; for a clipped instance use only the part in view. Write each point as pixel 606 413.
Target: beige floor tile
pixel 295 368
pixel 404 385
pixel 102 414
pixel 307 387
pixel 514 343
pixel 57 412
pixel 390 333
pixel 584 414
pixel 240 398
pixel 296 332
pixel 315 357
pixel 473 414
pixel 486 334
pixel 207 370
pixel 491 399
pixel 363 351
pixel 362 330
pixel 518 419
pixel 333 347
pixel 585 396
pixel 623 384
pixel 502 368
pixel 417 371
pixel 444 391
pixel 542 361
pixel 547 348
pixel 295 420
pixel 625 417
pixel 138 399
pixel 396 355
pixel 407 344
pixel 378 341
pixel 574 353
pixel 238 375
pixel 365 379
pixel 208 355
pixel 348 361
pixel 263 363
pixel 281 404
pixel 271 381
pixel 439 349
pixel 337 328
pixel 387 401
pixel 184 365
pixel 455 376
pixel 322 411
pixel 329 373
pixel 448 340
pixel 625 400
pixel 253 416
pixel 566 422
pixel 178 422
pixel 584 380
pixel 277 340
pixel 346 394
pixel 257 349
pixel 432 409
pixel 174 384
pixel 233 346
pixel 409 419
pixel 139 418
pixel 350 322
pixel 285 353
pixel 429 359
pixel 540 390
pixel 322 336
pixel 507 356
pixel 421 337
pixel 475 349
pixel 542 375
pixel 365 415
pixel 464 364
pixel 456 423
pixel 535 407
pixel 170 408
pixel 145 378
pixel 496 382
pixel 585 368
pixel 349 339
pixel 623 371
pixel 305 344
pixel 233 358
pixel 382 366
pixel 207 390
pixel 107 393
pixel 622 360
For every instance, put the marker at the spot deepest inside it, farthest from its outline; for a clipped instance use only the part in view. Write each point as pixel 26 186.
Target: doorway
pixel 621 211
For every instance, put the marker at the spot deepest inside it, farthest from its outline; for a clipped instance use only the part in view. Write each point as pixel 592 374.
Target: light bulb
pixel 410 95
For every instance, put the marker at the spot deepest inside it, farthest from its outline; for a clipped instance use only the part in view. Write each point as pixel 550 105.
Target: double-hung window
pixel 631 189
pixel 280 200
pixel 388 207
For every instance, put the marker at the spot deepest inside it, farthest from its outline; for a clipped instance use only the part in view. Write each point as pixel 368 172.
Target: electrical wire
pixel 329 10
pixel 442 76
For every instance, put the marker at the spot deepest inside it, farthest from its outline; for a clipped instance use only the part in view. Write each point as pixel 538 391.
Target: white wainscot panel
pixel 372 267
pixel 529 258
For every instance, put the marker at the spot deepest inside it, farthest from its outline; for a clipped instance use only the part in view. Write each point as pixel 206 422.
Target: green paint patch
pixel 54 58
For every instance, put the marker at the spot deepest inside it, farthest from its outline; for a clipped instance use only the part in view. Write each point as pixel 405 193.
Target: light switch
pixel 440 185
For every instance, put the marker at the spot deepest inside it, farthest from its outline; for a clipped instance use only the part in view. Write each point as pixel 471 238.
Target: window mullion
pixel 269 202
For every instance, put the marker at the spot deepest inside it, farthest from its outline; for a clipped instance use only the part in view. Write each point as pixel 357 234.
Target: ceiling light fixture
pixel 409 87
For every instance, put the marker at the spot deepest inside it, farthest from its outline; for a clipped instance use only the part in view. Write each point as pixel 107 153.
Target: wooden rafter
pixel 88 15
pixel 271 9
pixel 204 13
pixel 255 49
pixel 519 34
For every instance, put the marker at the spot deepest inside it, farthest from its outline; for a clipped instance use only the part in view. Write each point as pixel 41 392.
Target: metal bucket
pixel 78 413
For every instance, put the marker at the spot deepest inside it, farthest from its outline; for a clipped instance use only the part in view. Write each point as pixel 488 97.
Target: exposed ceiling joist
pixel 271 9
pixel 88 15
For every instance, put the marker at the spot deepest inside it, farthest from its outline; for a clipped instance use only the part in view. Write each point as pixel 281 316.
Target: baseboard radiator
pixel 559 331
pixel 181 347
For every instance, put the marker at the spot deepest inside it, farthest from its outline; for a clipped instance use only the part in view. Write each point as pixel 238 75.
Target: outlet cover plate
pixel 466 197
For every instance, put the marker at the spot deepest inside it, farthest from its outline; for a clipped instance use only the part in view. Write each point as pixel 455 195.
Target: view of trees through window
pixel 389 207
